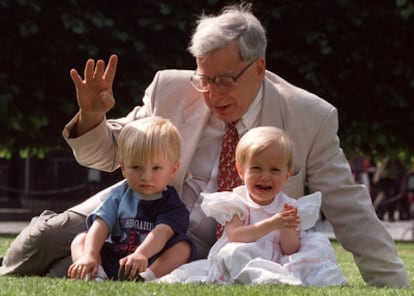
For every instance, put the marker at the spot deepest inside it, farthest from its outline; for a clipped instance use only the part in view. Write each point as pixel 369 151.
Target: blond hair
pixel 148 140
pixel 260 138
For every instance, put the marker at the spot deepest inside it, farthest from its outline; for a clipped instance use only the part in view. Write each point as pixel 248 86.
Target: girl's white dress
pixel 262 262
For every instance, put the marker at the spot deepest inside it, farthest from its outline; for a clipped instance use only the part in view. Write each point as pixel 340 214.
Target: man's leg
pixel 43 247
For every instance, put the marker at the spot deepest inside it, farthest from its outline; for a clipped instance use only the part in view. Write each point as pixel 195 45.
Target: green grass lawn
pixel 51 286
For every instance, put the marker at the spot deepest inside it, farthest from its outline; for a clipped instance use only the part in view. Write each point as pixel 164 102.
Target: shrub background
pixel 355 54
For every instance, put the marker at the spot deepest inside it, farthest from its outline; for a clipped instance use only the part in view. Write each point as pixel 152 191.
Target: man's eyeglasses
pixel 225 82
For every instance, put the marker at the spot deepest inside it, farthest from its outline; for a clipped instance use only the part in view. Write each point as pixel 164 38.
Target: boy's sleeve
pixel 174 213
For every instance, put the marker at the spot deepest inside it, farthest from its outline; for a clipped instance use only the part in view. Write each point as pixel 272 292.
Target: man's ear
pixel 261 67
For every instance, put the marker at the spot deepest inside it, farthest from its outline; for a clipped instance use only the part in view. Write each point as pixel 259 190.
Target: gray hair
pixel 234 22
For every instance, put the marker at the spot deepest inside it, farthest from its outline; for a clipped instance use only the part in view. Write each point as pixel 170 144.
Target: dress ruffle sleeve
pixel 222 206
pixel 308 209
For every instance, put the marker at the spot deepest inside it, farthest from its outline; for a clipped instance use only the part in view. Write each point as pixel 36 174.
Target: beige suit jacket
pixel 320 164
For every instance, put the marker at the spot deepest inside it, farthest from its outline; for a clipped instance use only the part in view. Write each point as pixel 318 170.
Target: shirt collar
pixel 148 197
pixel 251 118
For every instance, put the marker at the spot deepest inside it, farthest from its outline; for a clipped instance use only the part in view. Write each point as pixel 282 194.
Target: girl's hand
pixel 287 218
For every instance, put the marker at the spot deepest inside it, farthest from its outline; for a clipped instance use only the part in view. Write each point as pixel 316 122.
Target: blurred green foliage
pixel 358 55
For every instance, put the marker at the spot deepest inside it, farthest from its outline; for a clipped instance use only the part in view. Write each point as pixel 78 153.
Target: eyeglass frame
pixel 211 80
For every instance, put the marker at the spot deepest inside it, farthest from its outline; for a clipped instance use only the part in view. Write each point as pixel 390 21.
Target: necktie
pixel 228 178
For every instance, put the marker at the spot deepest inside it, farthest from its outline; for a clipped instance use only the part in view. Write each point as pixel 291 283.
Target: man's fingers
pixel 77 80
pixel 89 69
pixel 99 69
pixel 96 70
pixel 110 70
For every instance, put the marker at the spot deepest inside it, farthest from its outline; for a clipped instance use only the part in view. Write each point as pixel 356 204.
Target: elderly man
pixel 230 85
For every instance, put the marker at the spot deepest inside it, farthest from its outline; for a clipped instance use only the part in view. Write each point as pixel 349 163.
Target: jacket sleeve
pixel 348 207
pixel 98 148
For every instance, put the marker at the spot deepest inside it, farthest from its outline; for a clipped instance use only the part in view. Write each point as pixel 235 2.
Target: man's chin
pixel 226 117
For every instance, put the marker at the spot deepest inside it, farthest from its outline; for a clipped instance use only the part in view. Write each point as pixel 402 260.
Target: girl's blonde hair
pixel 260 138
pixel 148 140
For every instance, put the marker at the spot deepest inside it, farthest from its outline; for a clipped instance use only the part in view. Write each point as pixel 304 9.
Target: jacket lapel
pixel 195 119
pixel 271 114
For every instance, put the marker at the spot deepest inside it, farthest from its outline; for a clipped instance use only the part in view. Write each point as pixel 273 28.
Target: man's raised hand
pixel 94 91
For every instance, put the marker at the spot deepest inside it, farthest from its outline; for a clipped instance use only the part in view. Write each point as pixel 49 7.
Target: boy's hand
pixel 82 267
pixel 133 264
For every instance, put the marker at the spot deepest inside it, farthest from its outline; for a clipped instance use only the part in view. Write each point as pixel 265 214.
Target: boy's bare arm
pixel 153 244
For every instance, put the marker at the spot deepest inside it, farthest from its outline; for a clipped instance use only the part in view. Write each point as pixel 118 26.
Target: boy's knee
pixel 79 240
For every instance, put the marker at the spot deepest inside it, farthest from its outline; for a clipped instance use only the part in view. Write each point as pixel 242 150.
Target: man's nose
pixel 214 93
